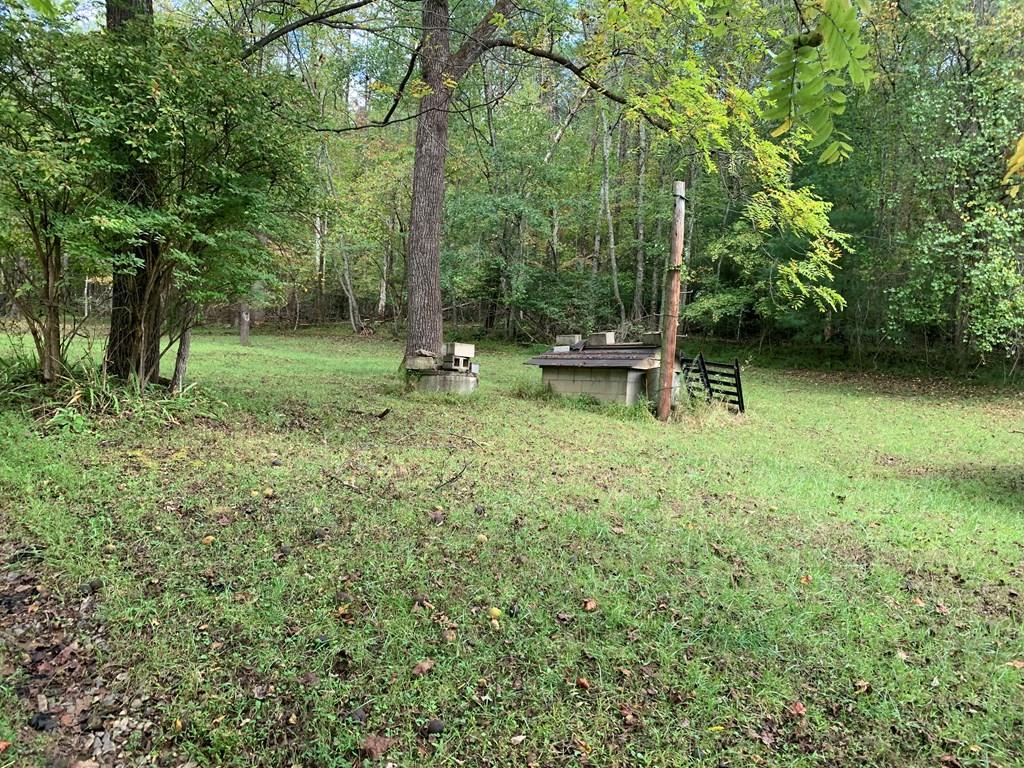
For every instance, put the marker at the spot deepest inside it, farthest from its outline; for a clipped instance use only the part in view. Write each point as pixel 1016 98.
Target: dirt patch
pixel 75 710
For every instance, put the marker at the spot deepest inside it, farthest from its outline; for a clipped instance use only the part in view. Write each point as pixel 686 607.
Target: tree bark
pixel 319 260
pixel 51 362
pixel 136 318
pixel 355 319
pixel 120 12
pixel 606 142
pixel 656 273
pixel 136 315
pixel 243 324
pixel 423 263
pixel 382 286
pixel 641 255
pixel 181 360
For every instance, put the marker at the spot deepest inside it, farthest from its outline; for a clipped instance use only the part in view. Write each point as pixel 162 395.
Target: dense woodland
pixel 852 171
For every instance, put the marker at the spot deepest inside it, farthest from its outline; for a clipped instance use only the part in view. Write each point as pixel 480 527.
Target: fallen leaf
pixel 590 605
pixel 5 744
pixel 1016 663
pixel 373 746
pixel 422 668
pixel 797 708
pixel 941 608
pixel 208 540
pixel 862 686
pixel 582 683
pixel 494 613
pixel 902 655
pixel 806 579
pixel 629 715
pixel 515 741
pixel 436 516
pixel 268 493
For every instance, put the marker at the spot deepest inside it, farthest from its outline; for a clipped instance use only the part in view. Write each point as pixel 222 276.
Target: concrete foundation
pixel 609 385
pixel 447 381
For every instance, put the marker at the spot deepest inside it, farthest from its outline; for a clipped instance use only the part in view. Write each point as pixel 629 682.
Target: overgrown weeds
pixel 84 394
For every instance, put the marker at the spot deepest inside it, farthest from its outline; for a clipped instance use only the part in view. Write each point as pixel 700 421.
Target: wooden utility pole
pixel 670 303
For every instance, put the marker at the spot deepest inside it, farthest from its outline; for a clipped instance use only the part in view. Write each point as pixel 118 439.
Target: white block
pixel 457 349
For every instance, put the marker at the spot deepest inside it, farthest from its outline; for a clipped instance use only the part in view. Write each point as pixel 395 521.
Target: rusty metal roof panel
pixel 632 356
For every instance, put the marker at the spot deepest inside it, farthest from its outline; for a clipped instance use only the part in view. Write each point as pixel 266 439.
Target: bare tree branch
pixel 401 86
pixel 478 40
pixel 580 72
pixel 314 18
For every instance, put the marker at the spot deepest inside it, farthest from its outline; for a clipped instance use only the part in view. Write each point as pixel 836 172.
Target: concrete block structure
pixel 456 373
pixel 609 372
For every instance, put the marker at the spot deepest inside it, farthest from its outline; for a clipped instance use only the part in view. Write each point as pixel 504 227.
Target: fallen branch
pixel 380 415
pixel 453 478
pixel 470 439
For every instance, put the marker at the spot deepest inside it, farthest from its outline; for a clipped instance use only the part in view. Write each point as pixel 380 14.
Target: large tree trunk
pixel 441 70
pixel 423 264
pixel 136 316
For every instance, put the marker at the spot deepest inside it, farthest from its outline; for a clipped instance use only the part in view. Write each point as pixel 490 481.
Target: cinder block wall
pixel 611 385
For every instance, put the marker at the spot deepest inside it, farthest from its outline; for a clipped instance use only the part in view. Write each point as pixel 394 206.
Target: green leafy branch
pixel 804 85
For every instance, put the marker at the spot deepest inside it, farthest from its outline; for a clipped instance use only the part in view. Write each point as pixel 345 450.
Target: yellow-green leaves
pixel 45 8
pixel 1015 167
pixel 811 67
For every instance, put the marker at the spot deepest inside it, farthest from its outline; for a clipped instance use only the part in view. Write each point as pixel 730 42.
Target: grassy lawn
pixel 836 578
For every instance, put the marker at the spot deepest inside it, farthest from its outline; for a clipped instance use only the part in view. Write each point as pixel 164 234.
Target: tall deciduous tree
pixel 139 284
pixel 441 69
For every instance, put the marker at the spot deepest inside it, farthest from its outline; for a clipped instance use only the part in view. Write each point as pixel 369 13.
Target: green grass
pixel 852 545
